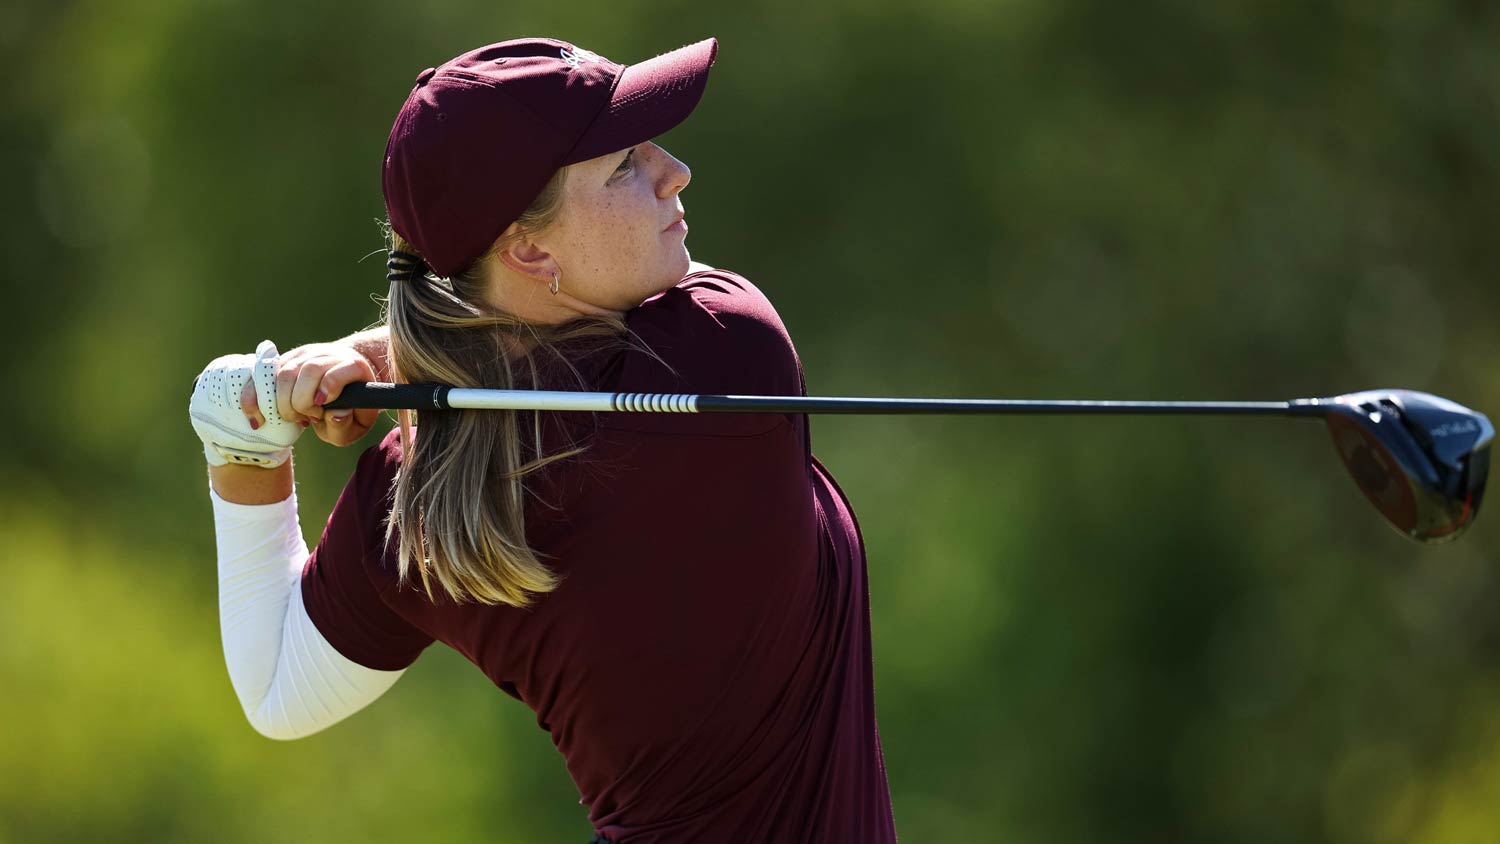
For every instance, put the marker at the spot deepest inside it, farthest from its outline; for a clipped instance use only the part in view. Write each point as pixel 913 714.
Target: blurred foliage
pixel 1085 630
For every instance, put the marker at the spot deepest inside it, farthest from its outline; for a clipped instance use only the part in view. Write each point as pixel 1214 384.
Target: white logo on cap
pixel 578 55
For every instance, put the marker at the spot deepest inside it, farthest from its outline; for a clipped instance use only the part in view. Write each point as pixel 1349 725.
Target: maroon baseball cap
pixel 480 136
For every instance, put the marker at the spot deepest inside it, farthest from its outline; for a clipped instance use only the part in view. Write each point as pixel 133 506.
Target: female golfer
pixel 681 599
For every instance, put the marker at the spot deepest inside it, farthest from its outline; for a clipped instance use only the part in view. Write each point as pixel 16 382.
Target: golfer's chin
pixel 680 266
pixel 666 281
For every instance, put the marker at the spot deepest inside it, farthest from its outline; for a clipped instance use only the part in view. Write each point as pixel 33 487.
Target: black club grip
pixel 382 396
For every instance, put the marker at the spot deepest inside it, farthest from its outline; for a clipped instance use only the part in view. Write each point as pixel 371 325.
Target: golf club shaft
pixel 441 397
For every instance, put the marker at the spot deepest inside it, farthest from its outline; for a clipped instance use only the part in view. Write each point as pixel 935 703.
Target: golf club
pixel 1422 460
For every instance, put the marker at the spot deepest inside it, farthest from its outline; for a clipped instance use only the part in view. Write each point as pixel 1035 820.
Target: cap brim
pixel 650 98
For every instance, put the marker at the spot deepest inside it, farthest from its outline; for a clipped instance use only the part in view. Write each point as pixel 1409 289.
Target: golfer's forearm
pixel 374 344
pixel 290 681
pixel 251 484
pixel 261 552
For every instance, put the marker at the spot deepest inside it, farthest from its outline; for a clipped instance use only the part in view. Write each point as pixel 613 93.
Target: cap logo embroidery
pixel 577 56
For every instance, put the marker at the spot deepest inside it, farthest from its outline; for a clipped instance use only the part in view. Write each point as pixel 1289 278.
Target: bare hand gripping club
pixel 1422 460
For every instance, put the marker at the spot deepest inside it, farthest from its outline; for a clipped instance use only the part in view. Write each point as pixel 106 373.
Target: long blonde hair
pixel 460 492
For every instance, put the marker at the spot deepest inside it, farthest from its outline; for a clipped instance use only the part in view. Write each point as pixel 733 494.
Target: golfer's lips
pixel 675 220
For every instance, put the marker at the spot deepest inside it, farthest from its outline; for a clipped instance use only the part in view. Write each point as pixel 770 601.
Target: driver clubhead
pixel 1422 460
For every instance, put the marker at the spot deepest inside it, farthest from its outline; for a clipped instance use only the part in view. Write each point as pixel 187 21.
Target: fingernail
pixel 254 424
pixel 320 398
pixel 304 423
pixel 339 417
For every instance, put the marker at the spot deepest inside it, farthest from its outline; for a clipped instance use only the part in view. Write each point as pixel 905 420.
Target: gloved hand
pixel 221 424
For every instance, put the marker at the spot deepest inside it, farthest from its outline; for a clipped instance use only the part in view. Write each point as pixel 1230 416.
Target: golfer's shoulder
pixel 718 317
pixel 713 333
pixel 732 297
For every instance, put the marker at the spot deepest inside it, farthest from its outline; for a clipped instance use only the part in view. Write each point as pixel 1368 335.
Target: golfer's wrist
pixel 374 346
pixel 251 484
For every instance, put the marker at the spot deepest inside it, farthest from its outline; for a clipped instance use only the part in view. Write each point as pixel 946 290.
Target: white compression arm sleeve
pixel 290 681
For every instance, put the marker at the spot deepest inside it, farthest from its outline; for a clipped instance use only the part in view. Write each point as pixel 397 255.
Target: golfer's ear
pixel 529 259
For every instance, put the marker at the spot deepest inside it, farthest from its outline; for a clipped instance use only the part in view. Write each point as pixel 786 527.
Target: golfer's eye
pixel 628 163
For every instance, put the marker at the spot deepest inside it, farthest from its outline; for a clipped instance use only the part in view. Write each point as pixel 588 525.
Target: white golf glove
pixel 222 425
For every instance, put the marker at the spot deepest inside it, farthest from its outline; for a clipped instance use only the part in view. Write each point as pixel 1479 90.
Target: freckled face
pixel 614 241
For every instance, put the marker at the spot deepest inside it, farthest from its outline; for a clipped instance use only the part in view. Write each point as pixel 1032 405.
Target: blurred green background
pixel 1085 629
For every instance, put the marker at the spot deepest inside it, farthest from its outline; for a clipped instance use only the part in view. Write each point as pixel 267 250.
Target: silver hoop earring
pixel 553 285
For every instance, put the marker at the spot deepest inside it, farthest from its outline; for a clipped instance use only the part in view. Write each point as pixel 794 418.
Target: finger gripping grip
pixel 381 396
